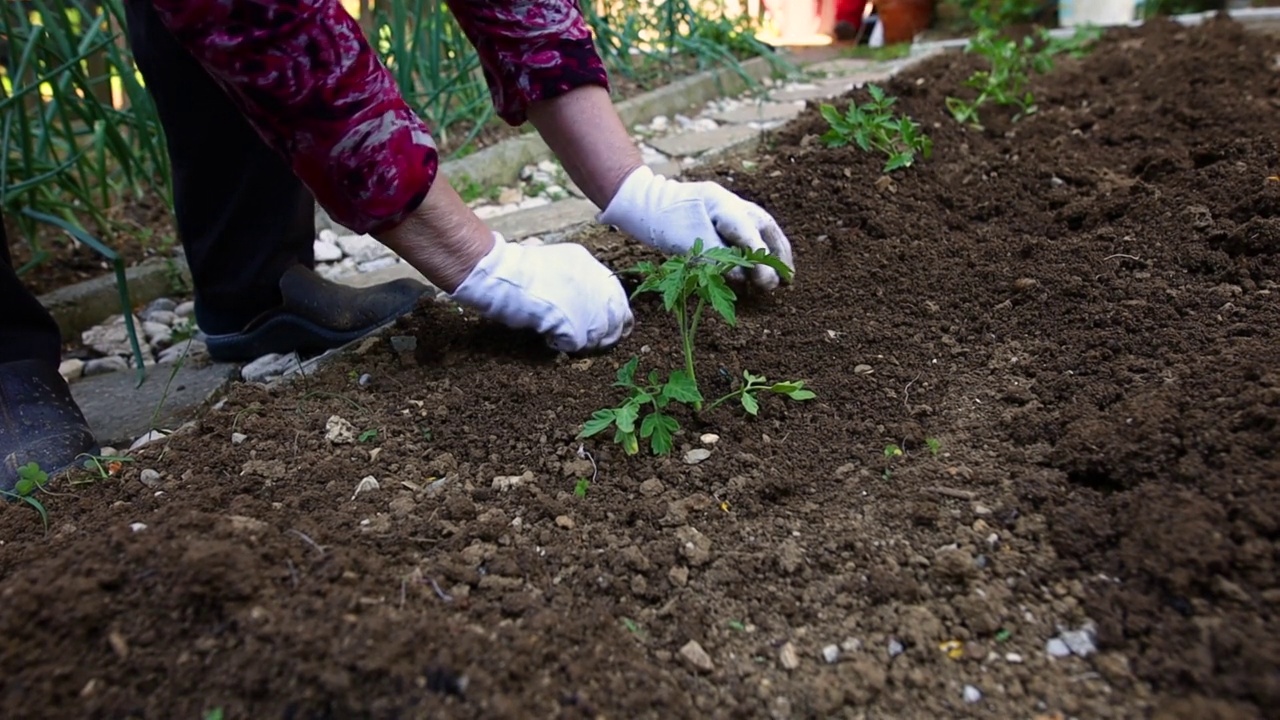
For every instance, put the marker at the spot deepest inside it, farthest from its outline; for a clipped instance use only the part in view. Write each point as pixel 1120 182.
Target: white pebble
pixel 1013 658
pixel 831 653
pixel 238 438
pixel 1057 648
pixel 137 527
pixel 972 694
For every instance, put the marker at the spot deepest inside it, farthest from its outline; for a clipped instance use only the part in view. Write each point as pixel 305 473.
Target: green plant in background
pixel 688 284
pixel 874 127
pixel 68 151
pixel 1011 65
pixel 30 479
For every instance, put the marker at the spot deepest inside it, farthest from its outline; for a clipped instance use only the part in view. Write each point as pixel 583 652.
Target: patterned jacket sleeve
pixel 305 77
pixel 530 50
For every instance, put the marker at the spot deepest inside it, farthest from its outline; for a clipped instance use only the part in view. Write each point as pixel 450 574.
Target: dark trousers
pixel 242 215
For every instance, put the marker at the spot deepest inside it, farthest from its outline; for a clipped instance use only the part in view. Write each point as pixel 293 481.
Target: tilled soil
pixel 1077 311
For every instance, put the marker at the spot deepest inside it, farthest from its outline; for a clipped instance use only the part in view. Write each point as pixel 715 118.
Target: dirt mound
pixel 1069 325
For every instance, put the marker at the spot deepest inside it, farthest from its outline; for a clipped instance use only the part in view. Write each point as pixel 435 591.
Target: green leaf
pixel 830 114
pixel 628 441
pixel 599 422
pixel 625 416
pixel 627 373
pixel 897 162
pixel 722 298
pixel 784 388
pixel 802 395
pixel 661 431
pixel 750 403
pixel 682 388
pixel 877 93
pixel 753 379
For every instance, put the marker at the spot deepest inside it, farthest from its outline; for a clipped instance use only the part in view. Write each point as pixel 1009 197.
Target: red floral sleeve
pixel 305 77
pixel 531 50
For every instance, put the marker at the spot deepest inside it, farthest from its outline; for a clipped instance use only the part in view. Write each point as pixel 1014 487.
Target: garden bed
pixel 1078 313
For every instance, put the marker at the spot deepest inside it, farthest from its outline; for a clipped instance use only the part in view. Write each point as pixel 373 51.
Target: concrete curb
pixel 81 306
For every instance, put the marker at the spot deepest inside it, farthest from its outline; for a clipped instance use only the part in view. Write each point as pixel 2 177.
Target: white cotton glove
pixel 669 215
pixel 561 291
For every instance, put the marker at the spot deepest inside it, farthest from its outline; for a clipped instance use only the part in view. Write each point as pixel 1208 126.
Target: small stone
pixel 404 343
pixel 112 337
pixel 510 482
pixel 972 694
pixel 695 456
pixel 339 431
pixel 159 335
pixel 895 647
pixel 163 317
pixel 1079 641
pixel 652 487
pixel 104 365
pixel 678 575
pixel 697 658
pixel 137 527
pixel 695 546
pixel 831 653
pixel 362 248
pixel 862 370
pixel 565 522
pixel 158 305
pixel 186 309
pixel 147 439
pixel 510 195
pixel 709 439
pixel 327 251
pixel 788 657
pixel 367 484
pixel 1013 658
pixel 1057 648
pixel 238 438
pixel 149 477
pixel 71 369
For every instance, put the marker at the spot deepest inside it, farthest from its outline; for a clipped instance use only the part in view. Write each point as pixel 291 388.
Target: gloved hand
pixel 669 215
pixel 561 291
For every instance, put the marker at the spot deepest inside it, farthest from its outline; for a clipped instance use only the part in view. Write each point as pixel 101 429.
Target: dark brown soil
pixel 1080 308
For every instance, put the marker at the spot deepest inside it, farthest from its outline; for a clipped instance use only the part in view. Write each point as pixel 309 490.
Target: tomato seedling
pixel 688 284
pixel 873 127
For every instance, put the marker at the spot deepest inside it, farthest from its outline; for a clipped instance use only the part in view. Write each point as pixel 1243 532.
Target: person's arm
pixel 307 80
pixel 542 66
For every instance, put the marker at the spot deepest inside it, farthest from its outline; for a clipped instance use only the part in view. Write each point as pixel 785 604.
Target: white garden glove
pixel 669 215
pixel 561 291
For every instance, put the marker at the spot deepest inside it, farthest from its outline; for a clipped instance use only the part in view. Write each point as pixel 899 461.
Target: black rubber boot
pixel 317 315
pixel 39 421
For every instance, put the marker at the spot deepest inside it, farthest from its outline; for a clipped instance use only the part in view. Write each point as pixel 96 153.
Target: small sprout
pixel 30 479
pixel 892 451
pixel 368 435
pixel 737 625
pixel 874 127
pixel 934 445
pixel 580 489
pixel 631 626
pixel 1004 635
pixel 214 714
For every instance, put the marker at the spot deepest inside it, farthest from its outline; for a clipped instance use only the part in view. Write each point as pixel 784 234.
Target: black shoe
pixel 317 315
pixel 39 421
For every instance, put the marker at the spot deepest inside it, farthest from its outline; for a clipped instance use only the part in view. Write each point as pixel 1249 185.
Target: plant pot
pixel 902 20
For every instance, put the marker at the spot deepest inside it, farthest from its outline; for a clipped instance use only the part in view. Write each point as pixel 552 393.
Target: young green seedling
pixel 1011 65
pixel 688 284
pixel 30 479
pixel 873 127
